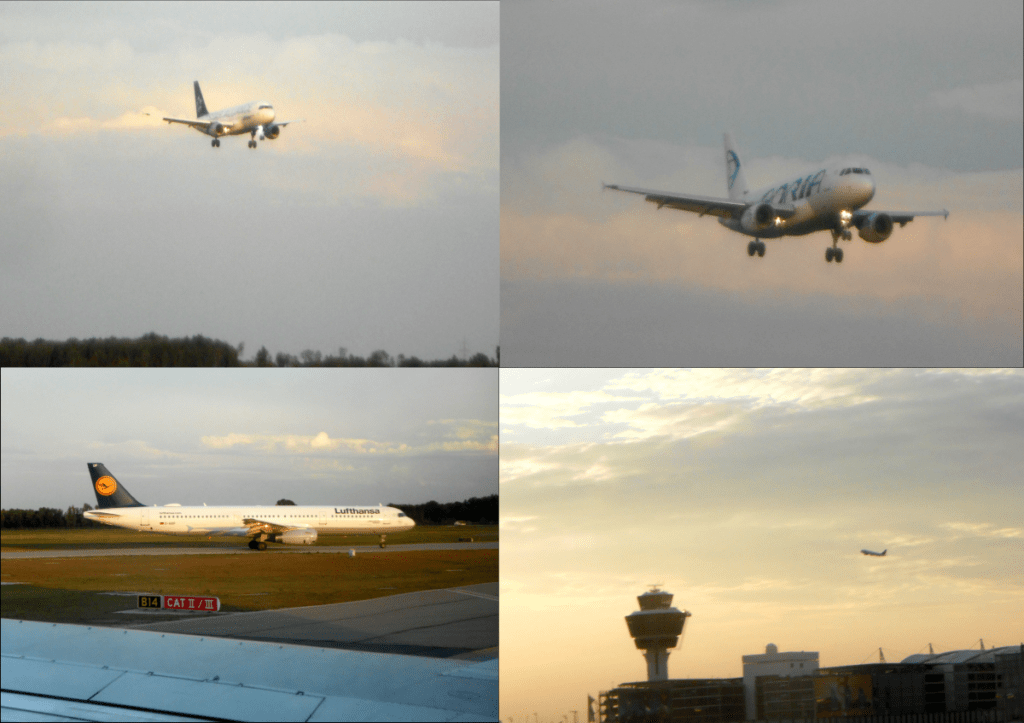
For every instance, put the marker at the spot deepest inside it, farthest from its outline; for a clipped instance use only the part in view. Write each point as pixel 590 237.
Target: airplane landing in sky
pixel 286 524
pixel 825 199
pixel 256 119
pixel 876 554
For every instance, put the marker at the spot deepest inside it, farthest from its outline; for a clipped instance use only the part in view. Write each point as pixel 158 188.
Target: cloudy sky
pixel 315 436
pixel 372 224
pixel 927 95
pixel 749 494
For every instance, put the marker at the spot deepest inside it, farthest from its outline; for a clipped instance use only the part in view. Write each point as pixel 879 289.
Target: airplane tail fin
pixel 200 103
pixel 109 492
pixel 884 551
pixel 734 177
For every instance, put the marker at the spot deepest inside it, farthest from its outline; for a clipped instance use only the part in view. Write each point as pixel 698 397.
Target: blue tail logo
pixel 733 163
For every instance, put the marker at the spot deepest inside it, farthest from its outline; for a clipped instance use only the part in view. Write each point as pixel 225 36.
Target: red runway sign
pixel 180 602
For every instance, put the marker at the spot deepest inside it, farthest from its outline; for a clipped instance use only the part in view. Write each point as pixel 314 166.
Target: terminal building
pixel 960 686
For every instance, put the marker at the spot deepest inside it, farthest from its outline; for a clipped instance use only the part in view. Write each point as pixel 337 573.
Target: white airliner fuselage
pixel 287 524
pixel 823 199
pixel 256 119
pixel 231 521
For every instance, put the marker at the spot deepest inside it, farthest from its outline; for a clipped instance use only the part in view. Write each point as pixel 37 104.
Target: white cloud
pixel 999 101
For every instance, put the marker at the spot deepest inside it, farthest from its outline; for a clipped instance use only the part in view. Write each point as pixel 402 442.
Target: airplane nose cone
pixel 869 189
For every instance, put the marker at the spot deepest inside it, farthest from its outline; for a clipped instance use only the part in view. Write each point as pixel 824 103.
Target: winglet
pixel 945 215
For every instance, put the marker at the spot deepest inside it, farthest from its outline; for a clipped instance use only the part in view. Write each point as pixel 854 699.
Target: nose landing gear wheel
pixel 829 253
pixel 760 248
pixel 839 255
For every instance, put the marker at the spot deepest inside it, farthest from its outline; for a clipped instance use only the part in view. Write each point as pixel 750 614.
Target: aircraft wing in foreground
pixel 78 672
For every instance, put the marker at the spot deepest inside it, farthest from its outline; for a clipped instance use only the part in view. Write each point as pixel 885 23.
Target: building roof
pixel 961 656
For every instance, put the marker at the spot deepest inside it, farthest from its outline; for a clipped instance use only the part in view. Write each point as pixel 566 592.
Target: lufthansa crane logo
pixel 106 486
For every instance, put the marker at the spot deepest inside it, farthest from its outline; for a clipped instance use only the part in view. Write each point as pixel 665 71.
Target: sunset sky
pixel 928 96
pixel 749 495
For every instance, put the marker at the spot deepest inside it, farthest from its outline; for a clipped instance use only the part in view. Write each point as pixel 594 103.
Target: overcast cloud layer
pixel 371 225
pixel 348 436
pixel 928 96
pixel 749 494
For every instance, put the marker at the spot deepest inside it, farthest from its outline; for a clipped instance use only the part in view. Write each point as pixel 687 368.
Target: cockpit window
pixel 401 514
pixel 266 106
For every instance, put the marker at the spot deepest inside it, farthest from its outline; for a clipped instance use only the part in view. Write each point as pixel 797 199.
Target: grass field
pixel 112 537
pixel 69 590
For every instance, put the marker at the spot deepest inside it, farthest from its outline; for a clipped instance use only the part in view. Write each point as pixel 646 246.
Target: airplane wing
pixel 74 672
pixel 284 123
pixel 900 217
pixel 256 526
pixel 704 205
pixel 194 123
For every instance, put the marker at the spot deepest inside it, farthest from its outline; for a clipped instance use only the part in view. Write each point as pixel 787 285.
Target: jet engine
pixel 297 537
pixel 757 218
pixel 215 129
pixel 876 228
pixel 272 131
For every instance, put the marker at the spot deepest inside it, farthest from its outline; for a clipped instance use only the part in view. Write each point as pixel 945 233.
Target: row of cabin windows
pixel 865 171
pixel 178 515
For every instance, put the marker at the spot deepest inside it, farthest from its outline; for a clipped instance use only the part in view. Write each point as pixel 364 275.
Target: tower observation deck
pixel 656 627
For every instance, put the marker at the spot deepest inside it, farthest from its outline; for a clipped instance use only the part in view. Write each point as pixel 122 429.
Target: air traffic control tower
pixel 656 627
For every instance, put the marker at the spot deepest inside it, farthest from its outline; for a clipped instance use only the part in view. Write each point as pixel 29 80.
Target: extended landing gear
pixel 252 144
pixel 835 252
pixel 215 143
pixel 257 545
pixel 382 541
pixel 755 247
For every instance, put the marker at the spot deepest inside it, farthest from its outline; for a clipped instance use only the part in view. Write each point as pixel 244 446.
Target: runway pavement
pixel 241 550
pixel 445 623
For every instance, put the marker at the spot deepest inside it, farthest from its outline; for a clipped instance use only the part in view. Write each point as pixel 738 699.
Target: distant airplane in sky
pixel 824 199
pixel 876 554
pixel 287 524
pixel 256 119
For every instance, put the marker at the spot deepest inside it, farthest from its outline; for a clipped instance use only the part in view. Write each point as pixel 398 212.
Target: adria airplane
pixel 825 199
pixel 876 554
pixel 256 119
pixel 287 524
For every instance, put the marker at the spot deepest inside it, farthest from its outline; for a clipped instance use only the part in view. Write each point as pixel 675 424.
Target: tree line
pixel 153 350
pixel 476 510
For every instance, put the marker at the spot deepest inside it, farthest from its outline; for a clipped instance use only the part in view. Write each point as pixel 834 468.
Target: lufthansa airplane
pixel 876 554
pixel 256 119
pixel 825 199
pixel 287 524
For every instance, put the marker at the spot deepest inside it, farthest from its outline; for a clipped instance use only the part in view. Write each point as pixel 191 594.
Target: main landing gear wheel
pixel 755 247
pixel 215 143
pixel 834 253
pixel 252 144
pixel 252 544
